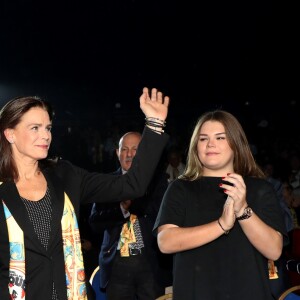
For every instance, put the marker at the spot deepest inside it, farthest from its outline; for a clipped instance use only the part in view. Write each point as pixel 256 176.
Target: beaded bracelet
pixel 156 122
pixel 225 231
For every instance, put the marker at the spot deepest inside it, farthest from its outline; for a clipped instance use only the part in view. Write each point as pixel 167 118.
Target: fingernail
pixel 220 184
pixel 223 177
pixel 225 191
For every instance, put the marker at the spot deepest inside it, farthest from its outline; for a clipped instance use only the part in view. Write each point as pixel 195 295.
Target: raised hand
pixel 155 106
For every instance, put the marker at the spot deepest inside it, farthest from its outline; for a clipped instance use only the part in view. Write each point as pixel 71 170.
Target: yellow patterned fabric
pixel 74 267
pixel 273 273
pixel 16 286
pixel 127 236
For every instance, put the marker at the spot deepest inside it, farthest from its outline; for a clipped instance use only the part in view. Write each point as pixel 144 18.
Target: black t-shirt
pixel 229 267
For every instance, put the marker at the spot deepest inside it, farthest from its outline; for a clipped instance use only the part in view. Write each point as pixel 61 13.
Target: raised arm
pixel 96 187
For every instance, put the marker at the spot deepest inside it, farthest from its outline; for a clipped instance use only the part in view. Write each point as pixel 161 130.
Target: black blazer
pixel 43 267
pixel 108 218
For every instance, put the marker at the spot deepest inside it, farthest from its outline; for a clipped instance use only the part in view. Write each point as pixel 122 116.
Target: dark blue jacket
pixel 107 219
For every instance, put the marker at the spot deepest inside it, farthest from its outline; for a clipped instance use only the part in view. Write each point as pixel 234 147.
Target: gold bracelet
pixel 225 231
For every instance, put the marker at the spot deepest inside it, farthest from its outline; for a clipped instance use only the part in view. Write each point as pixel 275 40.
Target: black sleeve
pixel 104 216
pixel 172 209
pixel 95 187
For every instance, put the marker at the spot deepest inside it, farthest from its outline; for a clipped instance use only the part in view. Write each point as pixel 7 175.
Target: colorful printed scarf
pixel 16 284
pixel 74 267
pixel 75 275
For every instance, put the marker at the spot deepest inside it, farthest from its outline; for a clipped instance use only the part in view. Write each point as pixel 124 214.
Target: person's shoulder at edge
pixel 181 183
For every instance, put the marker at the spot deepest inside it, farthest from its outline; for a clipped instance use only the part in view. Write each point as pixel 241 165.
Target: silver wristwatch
pixel 246 215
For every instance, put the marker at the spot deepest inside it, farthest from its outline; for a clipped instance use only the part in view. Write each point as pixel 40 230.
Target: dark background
pixel 91 59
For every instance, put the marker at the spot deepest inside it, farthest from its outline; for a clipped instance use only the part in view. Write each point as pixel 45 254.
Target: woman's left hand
pixel 155 106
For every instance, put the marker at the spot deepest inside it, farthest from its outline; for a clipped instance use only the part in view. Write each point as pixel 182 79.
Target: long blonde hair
pixel 243 164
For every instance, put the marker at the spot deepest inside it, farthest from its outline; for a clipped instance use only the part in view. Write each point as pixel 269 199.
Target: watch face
pixel 248 211
pixel 247 214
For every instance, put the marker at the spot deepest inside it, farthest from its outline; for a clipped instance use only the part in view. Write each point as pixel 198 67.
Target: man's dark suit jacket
pixel 108 218
pixel 45 266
